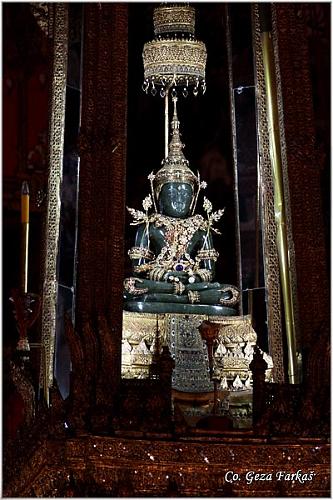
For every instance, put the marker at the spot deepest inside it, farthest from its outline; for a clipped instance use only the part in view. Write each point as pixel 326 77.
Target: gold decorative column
pixel 56 141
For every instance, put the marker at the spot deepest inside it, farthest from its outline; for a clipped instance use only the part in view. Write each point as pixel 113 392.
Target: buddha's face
pixel 175 199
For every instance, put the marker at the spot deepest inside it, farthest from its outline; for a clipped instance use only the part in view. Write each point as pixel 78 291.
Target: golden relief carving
pixel 271 261
pixel 99 466
pixel 178 59
pixel 139 333
pixel 284 161
pixel 175 18
pixel 60 40
pixel 233 353
pixel 188 56
pixel 43 16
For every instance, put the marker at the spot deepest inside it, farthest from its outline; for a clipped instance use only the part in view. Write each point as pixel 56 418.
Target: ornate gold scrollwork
pixel 272 273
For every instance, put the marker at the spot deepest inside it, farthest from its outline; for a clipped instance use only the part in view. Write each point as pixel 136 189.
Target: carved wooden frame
pixel 146 466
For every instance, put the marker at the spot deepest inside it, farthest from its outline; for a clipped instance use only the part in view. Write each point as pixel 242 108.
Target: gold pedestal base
pixel 234 352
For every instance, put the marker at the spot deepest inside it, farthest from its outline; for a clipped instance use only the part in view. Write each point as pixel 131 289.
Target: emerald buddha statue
pixel 173 256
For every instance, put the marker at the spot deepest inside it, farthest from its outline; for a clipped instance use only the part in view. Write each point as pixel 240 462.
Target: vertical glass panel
pixel 245 121
pixel 69 199
pixel 243 102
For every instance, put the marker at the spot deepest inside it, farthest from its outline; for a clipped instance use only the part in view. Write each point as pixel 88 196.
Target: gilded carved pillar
pixel 103 172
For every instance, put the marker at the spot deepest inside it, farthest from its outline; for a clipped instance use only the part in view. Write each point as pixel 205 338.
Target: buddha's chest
pixel 176 236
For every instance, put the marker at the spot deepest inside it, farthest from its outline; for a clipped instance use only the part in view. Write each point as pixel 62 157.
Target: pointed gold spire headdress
pixel 175 168
pixel 174 59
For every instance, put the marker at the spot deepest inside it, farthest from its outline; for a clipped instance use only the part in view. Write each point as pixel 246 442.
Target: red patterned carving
pixel 303 172
pixel 103 174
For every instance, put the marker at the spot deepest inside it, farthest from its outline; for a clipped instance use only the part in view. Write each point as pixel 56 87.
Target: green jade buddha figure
pixel 174 257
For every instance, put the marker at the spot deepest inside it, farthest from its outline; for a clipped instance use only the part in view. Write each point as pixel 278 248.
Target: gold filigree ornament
pixel 204 274
pixel 174 19
pixel 178 234
pixel 174 58
pixel 130 286
pixel 42 14
pixel 193 297
pixel 140 253
pixel 212 216
pixel 179 288
pixel 235 294
pixel 52 215
pixel 210 254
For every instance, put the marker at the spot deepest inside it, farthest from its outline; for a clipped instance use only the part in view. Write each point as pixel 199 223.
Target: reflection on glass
pixel 243 102
pixel 69 201
pixel 252 266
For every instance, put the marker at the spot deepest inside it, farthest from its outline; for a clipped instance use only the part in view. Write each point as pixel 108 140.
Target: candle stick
pixel 25 235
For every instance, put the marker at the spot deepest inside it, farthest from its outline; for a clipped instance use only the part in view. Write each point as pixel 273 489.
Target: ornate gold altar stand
pixel 233 353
